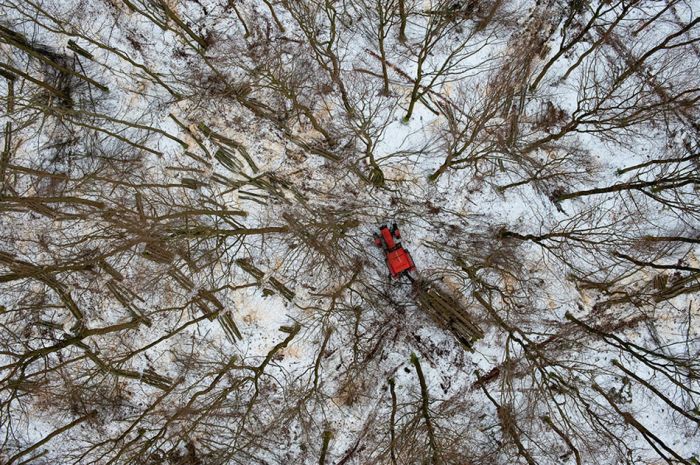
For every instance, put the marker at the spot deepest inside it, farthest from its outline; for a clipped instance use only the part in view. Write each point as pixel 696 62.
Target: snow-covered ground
pixel 188 192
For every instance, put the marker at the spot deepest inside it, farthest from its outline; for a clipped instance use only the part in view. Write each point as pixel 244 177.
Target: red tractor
pixel 398 259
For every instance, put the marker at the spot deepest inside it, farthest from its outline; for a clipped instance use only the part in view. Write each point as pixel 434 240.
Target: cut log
pixel 447 312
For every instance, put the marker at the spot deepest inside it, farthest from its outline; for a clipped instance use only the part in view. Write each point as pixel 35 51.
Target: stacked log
pixel 447 312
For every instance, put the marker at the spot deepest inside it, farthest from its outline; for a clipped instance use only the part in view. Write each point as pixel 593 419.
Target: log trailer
pixel 445 310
